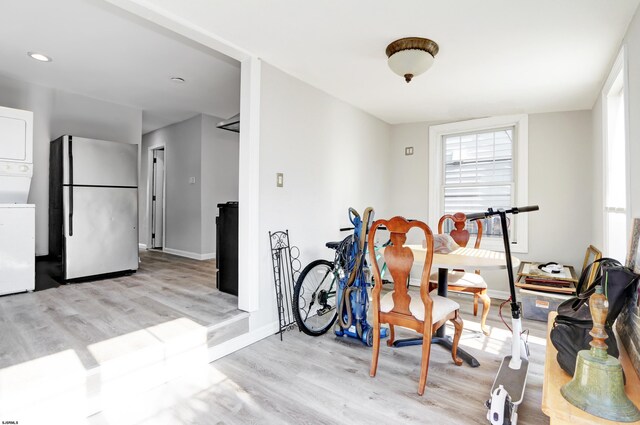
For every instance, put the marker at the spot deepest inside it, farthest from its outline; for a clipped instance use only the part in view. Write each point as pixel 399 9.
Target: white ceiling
pixel 105 53
pixel 496 56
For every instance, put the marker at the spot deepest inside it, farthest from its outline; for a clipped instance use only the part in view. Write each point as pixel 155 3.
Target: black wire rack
pixel 286 268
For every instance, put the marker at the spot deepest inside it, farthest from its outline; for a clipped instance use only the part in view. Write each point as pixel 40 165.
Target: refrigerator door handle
pixel 70 186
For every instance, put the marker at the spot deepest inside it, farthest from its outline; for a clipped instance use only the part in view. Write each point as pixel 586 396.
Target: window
pixel 479 164
pixel 615 162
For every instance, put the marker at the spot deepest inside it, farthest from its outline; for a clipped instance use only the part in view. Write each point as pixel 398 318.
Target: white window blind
pixel 479 164
pixel 479 173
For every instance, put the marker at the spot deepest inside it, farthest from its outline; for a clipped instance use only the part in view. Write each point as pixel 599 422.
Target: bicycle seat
pixel 332 245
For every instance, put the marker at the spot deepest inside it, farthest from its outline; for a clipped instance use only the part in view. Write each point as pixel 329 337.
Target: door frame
pixel 251 282
pixel 150 150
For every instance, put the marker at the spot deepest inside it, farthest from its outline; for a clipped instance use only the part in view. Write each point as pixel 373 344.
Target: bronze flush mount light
pixel 411 56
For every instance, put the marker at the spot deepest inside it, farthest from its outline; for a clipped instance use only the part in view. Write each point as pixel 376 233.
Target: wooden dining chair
pixel 459 280
pixel 417 310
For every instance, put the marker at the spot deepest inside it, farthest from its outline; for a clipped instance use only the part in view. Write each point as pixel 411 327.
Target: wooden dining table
pixel 468 259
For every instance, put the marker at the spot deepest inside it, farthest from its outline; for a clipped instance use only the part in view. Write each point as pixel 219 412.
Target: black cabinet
pixel 227 247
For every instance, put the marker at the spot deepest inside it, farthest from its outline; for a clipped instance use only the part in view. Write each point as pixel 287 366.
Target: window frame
pixel 520 123
pixel 619 67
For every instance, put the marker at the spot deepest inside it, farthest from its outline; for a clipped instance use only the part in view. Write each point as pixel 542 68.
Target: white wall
pixel 220 162
pixel 333 157
pixel 597 175
pixel 193 148
pixel 632 50
pixel 410 174
pixel 632 42
pixel 560 159
pixel 56 113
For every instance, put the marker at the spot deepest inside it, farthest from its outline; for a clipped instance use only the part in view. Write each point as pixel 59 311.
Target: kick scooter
pixel 507 391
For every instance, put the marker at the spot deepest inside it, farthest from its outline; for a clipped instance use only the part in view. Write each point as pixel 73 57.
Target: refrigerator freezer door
pixel 104 231
pixel 100 163
pixel 17 248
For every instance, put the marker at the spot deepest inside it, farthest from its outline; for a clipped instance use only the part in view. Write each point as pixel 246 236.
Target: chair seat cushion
pixel 468 280
pixel 441 306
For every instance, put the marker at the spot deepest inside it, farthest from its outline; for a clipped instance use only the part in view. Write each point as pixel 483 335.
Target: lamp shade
pixel 411 56
pixel 410 62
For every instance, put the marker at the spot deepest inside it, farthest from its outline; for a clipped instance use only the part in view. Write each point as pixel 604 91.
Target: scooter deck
pixel 514 381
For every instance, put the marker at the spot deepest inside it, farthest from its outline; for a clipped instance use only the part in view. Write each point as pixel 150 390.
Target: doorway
pixel 157 197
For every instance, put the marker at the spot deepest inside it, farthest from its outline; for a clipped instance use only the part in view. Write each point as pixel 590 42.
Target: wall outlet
pixel 408 150
pixel 279 179
pixel 192 180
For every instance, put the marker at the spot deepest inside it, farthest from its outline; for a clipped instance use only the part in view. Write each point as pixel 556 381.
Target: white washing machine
pixel 17 248
pixel 17 218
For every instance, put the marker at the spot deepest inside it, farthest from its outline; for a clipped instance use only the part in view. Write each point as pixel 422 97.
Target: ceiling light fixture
pixel 411 56
pixel 177 79
pixel 39 57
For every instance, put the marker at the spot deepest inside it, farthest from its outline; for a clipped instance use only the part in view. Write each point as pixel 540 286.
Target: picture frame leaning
pixel 633 255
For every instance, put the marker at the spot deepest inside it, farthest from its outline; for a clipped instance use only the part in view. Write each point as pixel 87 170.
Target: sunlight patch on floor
pixel 46 387
pixel 126 387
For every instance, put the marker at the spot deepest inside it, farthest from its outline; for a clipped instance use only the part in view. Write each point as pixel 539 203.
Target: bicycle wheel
pixel 314 298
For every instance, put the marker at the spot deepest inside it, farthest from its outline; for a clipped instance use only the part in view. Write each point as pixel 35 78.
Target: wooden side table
pixel 559 410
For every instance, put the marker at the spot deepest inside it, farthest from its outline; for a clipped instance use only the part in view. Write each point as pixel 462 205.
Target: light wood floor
pixel 166 287
pixel 325 380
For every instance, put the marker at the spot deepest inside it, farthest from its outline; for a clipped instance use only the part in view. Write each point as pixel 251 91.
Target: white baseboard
pixel 208 256
pixel 142 246
pixel 242 341
pixel 189 254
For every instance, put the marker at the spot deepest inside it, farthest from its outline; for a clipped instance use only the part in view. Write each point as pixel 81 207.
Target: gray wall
pixel 182 142
pixel 559 173
pixel 333 157
pixel 193 148
pixel 56 113
pixel 560 158
pixel 220 162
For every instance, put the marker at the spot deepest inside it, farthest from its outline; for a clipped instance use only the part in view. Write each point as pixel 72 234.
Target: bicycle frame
pixel 352 296
pixel 341 290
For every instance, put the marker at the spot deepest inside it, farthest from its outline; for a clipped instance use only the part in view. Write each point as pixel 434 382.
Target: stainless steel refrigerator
pixel 93 206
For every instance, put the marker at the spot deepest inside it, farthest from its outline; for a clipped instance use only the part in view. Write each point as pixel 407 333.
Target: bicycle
pixel 328 291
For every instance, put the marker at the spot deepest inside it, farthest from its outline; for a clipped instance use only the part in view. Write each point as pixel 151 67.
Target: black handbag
pixel 570 333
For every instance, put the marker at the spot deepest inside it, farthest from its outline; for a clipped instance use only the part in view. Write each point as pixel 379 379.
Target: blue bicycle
pixel 328 291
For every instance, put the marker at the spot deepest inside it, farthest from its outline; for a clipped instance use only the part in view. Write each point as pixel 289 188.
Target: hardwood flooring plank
pixel 325 380
pixel 73 316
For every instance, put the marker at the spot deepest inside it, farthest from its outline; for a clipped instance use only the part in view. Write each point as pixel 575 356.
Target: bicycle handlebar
pixel 491 211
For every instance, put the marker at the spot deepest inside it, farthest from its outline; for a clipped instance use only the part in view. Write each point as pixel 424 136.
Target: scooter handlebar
pixel 476 216
pixel 526 209
pixel 491 211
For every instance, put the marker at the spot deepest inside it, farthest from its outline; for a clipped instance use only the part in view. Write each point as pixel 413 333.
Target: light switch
pixel 408 150
pixel 279 179
pixel 192 180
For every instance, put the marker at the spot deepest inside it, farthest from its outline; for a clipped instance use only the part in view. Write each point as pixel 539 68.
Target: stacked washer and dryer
pixel 17 218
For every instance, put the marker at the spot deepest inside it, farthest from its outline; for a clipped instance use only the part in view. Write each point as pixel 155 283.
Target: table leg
pixel 440 338
pixel 443 275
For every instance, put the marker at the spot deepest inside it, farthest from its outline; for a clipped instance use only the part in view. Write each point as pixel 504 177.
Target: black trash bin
pixel 227 247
